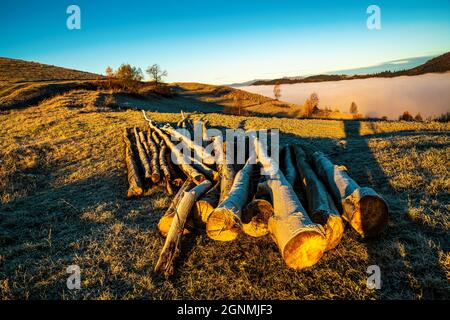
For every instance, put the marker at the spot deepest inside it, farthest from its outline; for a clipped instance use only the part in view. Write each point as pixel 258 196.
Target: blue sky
pixel 224 41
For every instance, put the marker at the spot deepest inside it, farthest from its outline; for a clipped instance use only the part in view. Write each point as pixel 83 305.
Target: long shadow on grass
pixel 399 250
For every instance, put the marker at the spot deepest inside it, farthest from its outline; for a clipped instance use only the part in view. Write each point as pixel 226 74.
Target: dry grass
pixel 63 187
pixel 14 70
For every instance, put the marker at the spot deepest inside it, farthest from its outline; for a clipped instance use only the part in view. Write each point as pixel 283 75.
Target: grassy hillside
pixel 62 202
pixel 14 70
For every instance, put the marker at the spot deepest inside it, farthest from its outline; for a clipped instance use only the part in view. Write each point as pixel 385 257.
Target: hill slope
pixel 15 70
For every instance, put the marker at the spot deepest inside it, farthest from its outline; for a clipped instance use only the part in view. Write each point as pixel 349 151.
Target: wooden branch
pixel 166 221
pixel 322 209
pixel 224 223
pixel 198 149
pixel 154 165
pixel 188 169
pixel 135 185
pixel 364 209
pixel 171 249
pixel 143 156
pixel 165 168
pixel 301 242
pixel 206 205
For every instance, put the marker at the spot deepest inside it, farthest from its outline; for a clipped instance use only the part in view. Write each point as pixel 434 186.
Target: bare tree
pixel 353 108
pixel 109 72
pixel 277 91
pixel 156 73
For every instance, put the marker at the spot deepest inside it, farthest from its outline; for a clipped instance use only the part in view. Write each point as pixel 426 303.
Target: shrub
pixel 406 116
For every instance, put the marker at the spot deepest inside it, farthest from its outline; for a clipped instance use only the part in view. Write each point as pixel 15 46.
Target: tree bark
pixel 322 209
pixel 301 242
pixel 154 164
pixel 166 221
pixel 135 185
pixel 288 165
pixel 364 209
pixel 143 156
pixel 224 223
pixel 228 174
pixel 165 168
pixel 171 249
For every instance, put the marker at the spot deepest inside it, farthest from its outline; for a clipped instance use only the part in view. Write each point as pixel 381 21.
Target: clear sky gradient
pixel 223 41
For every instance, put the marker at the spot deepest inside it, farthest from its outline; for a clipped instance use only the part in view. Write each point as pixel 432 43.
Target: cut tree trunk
pixel 224 223
pixel 206 205
pixel 166 221
pixel 165 168
pixel 321 206
pixel 228 174
pixel 363 208
pixel 301 242
pixel 182 162
pixel 171 249
pixel 256 214
pixel 135 185
pixel 143 156
pixel 154 164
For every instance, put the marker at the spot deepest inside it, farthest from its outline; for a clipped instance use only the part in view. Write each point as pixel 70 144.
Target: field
pixel 63 202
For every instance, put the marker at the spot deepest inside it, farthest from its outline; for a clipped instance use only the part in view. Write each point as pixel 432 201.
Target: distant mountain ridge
pixel 435 65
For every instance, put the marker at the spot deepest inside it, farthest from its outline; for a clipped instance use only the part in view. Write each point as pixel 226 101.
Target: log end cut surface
pixel 304 250
pixel 166 221
pixel 370 217
pixel 202 210
pixel 223 225
pixel 255 218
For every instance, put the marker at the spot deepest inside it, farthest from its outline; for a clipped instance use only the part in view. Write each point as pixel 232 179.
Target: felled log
pixel 166 220
pixel 143 156
pixel 156 138
pixel 165 168
pixel 199 151
pixel 322 209
pixel 227 176
pixel 224 223
pixel 154 164
pixel 301 242
pixel 256 214
pixel 206 204
pixel 176 178
pixel 187 168
pixel 363 208
pixel 171 249
pixel 287 165
pixel 135 185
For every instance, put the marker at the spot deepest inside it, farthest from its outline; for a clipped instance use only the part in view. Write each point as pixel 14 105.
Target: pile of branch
pixel 302 206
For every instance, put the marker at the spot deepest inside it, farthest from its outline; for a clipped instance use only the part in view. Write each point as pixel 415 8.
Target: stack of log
pixel 302 206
